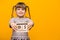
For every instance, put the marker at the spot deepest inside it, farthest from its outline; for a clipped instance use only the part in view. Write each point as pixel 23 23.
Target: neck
pixel 20 16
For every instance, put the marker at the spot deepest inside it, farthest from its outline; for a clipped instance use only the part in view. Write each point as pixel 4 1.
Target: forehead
pixel 20 8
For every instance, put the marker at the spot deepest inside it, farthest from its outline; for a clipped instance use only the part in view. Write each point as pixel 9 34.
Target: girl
pixel 20 25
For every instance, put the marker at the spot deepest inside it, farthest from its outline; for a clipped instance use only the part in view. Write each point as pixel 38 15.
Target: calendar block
pixel 22 27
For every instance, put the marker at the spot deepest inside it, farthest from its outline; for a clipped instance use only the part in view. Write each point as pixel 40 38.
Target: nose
pixel 20 10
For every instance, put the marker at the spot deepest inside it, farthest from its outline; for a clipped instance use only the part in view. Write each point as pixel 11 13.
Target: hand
pixel 30 24
pixel 14 27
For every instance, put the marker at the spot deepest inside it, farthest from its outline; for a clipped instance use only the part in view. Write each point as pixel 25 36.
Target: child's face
pixel 20 12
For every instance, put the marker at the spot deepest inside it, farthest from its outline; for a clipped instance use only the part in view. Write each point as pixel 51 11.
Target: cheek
pixel 23 11
pixel 17 11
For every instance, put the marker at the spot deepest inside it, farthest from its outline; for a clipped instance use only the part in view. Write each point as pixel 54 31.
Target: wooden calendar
pixel 22 27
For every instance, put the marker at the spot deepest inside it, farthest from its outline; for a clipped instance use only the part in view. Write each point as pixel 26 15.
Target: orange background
pixel 44 13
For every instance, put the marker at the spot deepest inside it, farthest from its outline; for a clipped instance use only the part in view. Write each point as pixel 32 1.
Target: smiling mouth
pixel 20 13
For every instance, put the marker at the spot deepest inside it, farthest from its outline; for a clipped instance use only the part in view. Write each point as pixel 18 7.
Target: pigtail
pixel 28 12
pixel 12 12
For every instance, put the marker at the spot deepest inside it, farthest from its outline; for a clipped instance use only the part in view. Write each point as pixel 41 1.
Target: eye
pixel 23 9
pixel 18 8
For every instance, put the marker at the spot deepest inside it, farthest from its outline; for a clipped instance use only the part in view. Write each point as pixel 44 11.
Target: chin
pixel 20 15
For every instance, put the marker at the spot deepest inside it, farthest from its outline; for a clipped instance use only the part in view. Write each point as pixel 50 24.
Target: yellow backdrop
pixel 44 13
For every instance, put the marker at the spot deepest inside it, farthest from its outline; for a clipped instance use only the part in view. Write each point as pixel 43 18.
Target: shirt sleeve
pixel 29 20
pixel 11 21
